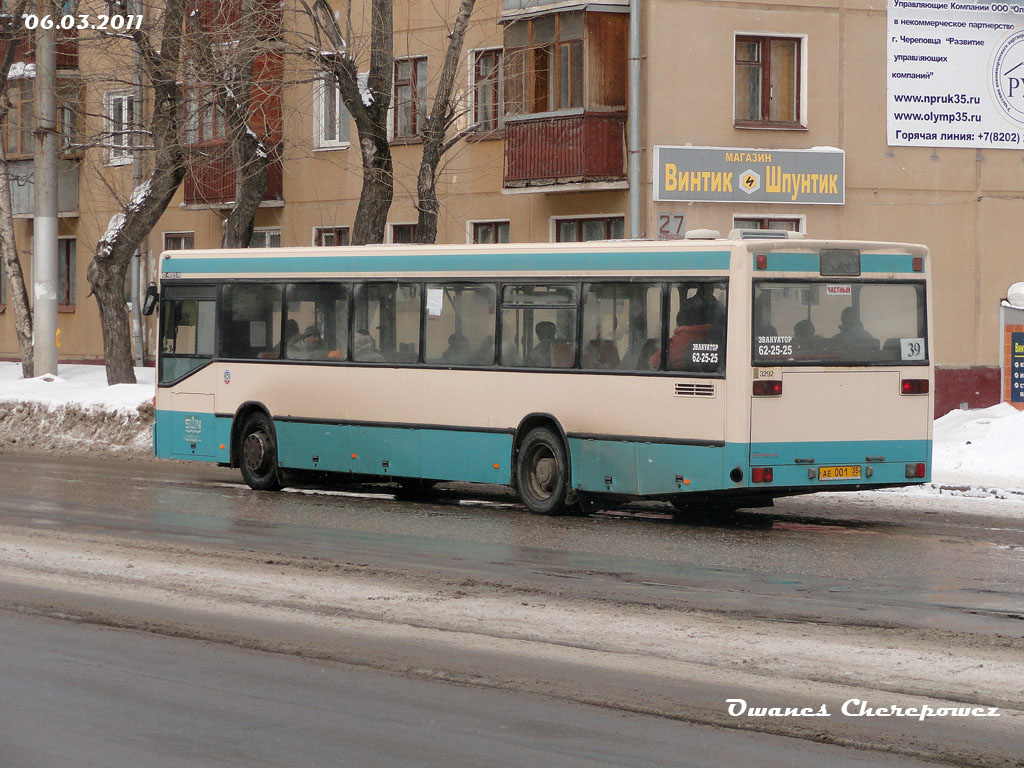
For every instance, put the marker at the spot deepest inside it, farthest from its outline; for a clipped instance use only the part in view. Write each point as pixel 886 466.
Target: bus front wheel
pixel 258 454
pixel 542 472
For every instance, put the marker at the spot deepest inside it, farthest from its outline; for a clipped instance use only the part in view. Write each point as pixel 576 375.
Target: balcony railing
pixel 552 148
pixel 210 176
pixel 25 48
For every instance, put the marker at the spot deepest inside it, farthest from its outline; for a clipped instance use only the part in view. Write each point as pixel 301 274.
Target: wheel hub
pixel 255 451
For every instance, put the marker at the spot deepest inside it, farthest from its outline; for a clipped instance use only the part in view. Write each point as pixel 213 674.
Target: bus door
pixel 832 359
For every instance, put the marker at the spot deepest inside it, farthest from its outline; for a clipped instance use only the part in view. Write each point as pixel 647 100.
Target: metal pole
pixel 44 251
pixel 634 119
pixel 137 335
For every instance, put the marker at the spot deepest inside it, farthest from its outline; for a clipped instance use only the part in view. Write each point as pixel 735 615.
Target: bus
pixel 728 370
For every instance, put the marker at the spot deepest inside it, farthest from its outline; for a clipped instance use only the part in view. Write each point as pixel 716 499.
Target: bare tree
pixel 226 60
pixel 161 64
pixel 443 113
pixel 17 294
pixel 367 101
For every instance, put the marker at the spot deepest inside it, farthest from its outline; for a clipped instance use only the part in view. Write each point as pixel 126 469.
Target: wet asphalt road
pixel 69 687
pixel 825 559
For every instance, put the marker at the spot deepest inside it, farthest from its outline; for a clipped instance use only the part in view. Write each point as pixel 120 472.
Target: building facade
pixel 544 90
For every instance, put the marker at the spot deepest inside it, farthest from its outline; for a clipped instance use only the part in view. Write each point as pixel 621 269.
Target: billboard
pixel 721 175
pixel 955 74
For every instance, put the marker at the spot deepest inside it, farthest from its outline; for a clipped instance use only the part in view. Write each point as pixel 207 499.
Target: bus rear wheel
pixel 258 454
pixel 542 472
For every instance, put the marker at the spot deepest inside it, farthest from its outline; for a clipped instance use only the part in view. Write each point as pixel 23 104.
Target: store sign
pixel 712 174
pixel 1016 367
pixel 955 74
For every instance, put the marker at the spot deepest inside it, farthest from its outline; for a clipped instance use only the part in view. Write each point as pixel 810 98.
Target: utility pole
pixel 136 115
pixel 44 249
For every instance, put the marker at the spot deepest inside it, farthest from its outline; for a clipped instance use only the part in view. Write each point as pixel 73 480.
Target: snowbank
pixel 980 447
pixel 75 411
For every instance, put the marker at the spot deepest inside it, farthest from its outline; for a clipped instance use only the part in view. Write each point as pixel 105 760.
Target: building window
pixel 66 273
pixel 328 236
pixel 410 97
pixel 789 224
pixel 204 122
pixel 544 63
pixel 122 121
pixel 21 118
pixel 179 241
pixel 767 81
pixel 331 118
pixel 403 233
pixel 593 228
pixel 490 231
pixel 266 237
pixel 487 90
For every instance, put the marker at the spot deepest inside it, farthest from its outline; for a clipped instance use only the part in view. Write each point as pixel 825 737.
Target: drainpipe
pixel 633 152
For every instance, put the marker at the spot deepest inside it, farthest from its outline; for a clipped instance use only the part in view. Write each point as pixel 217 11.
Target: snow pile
pixel 75 411
pixel 983 446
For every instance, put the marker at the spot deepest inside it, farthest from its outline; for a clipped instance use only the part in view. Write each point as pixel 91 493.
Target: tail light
pixel 761 261
pixel 915 470
pixel 762 474
pixel 918 264
pixel 914 387
pixel 768 388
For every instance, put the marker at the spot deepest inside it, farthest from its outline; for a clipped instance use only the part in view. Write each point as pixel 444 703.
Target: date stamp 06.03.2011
pixel 116 22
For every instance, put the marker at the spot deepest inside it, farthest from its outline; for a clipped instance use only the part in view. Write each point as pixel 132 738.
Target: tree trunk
pixel 441 117
pixel 17 294
pixel 252 170
pixel 377 192
pixel 108 284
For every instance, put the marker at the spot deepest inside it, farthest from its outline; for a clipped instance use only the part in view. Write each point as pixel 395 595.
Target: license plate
pixel 839 473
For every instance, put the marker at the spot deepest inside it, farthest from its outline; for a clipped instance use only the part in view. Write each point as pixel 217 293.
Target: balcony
pixel 210 176
pixel 574 148
pixel 25 49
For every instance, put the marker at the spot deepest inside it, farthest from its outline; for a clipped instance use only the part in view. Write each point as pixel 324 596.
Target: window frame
pixel 764 40
pixel 266 230
pixel 344 231
pixel 66 297
pixel 320 89
pixel 766 218
pixel 415 105
pixel 471 230
pixel 393 227
pixel 580 218
pixel 182 234
pixel 497 89
pixel 527 70
pixel 119 150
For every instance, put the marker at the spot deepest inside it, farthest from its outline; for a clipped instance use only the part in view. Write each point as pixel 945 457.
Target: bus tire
pixel 542 472
pixel 257 453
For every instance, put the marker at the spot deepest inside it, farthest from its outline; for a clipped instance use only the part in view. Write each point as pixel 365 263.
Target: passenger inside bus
pixel 458 352
pixel 851 332
pixel 485 353
pixel 309 346
pixel 364 349
pixel 804 336
pixel 540 356
pixel 689 329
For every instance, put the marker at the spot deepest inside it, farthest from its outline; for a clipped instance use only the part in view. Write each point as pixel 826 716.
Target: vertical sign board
pixel 1016 367
pixel 955 73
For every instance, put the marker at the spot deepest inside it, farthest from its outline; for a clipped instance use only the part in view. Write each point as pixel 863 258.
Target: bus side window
pixel 460 324
pixel 386 323
pixel 250 321
pixel 697 327
pixel 538 326
pixel 187 331
pixel 619 322
pixel 316 322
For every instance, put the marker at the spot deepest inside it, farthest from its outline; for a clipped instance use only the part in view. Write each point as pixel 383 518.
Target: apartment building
pixel 762 114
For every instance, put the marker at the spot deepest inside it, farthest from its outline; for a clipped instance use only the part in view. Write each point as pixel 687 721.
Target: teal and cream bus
pixel 730 369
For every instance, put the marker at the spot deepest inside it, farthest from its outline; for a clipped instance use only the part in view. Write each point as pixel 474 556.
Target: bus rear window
pixel 837 323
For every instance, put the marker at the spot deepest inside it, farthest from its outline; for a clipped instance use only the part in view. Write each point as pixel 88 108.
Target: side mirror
pixel 151 299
